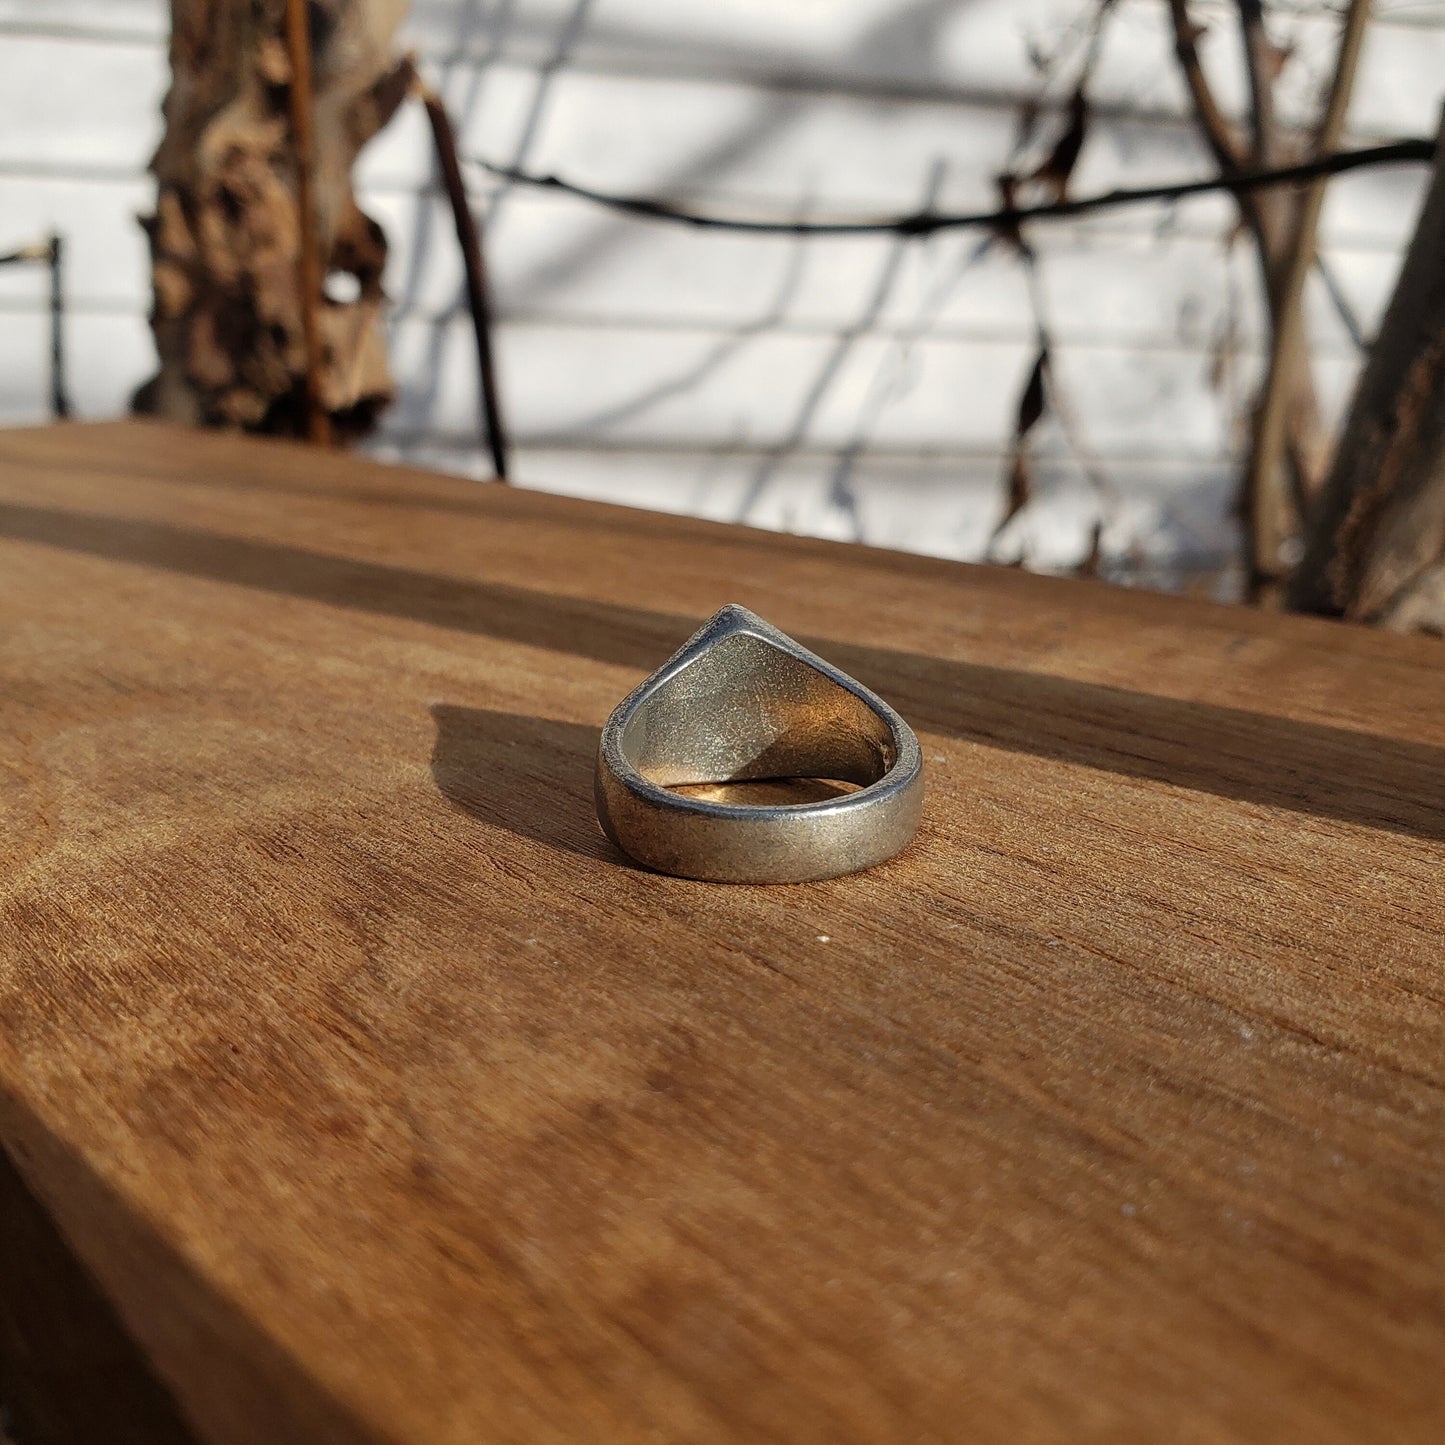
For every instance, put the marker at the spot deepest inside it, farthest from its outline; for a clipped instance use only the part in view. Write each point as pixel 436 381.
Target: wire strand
pixel 926 223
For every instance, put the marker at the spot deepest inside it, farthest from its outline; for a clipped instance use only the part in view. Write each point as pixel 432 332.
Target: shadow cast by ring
pixel 529 775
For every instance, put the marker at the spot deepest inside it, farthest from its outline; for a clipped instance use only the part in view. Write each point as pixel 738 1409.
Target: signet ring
pixel 741 701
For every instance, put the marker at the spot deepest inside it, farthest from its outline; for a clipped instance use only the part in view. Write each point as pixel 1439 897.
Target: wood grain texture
pixel 381 1099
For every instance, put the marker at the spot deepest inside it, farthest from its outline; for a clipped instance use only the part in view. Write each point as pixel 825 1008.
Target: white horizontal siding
pixel 107 357
pixel 1129 288
pixel 680 387
pixel 848 386
pixel 907 48
pixel 946 506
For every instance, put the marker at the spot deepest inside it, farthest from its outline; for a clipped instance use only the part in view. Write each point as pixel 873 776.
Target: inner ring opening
pixel 746 712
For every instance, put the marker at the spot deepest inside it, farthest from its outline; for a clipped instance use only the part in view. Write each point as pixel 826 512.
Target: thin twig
pixel 51 252
pixel 926 223
pixel 308 265
pixel 1214 125
pixel 1348 319
pixel 1261 91
pixel 1056 395
pixel 36 251
pixel 1265 474
pixel 59 401
pixel 478 294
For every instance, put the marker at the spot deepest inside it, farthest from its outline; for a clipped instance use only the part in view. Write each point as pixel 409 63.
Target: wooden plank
pixel 381 1099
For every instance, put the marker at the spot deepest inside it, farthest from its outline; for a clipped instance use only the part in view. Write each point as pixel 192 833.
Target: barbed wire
pixel 927 223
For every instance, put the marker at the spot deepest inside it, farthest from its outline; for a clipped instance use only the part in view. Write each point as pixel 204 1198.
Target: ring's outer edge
pixel 864 827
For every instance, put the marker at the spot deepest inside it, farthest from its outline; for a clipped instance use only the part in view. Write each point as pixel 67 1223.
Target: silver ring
pixel 742 701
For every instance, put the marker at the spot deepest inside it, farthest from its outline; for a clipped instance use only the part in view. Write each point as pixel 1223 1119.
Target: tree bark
pixel 229 316
pixel 1376 548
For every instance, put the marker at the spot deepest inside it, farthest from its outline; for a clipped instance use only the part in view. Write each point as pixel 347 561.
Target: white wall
pixel 849 387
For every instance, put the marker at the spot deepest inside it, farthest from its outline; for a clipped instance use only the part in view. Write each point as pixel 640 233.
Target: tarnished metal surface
pixel 743 701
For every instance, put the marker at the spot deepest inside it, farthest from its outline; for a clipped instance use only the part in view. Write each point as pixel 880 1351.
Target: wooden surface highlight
pixel 381 1099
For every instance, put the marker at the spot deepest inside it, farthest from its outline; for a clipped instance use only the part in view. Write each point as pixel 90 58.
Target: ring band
pixel 743 701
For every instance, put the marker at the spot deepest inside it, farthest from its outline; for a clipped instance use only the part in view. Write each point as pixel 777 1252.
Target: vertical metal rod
pixel 308 268
pixel 478 293
pixel 59 401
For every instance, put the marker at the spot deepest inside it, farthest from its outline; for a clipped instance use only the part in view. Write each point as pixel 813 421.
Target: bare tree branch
pixel 1343 309
pixel 478 294
pixel 1214 126
pixel 1279 474
pixel 1260 72
pixel 927 222
pixel 50 251
pixel 59 400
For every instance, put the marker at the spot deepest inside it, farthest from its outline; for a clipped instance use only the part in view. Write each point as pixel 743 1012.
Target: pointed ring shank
pixel 741 700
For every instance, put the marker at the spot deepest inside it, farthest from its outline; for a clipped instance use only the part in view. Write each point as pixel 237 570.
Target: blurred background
pixel 869 388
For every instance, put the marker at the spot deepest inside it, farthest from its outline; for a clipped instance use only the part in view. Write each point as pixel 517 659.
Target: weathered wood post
pixel 228 314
